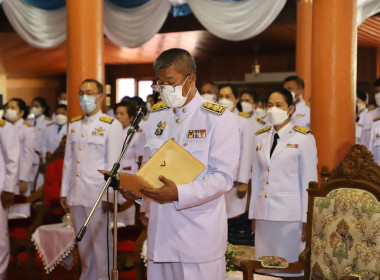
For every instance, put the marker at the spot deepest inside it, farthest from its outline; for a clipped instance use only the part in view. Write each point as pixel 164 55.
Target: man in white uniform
pixel 9 164
pixel 296 86
pixel 187 232
pixel 94 142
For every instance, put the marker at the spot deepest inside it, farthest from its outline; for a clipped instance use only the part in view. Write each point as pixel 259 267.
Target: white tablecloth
pixel 54 244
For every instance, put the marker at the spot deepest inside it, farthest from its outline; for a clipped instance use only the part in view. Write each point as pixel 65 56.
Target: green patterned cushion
pixel 365 274
pixel 273 262
pixel 345 234
pixel 242 253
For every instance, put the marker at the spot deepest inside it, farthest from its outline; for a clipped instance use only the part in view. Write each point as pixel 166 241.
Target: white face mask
pixel 260 112
pixel 63 102
pixel 247 107
pixel 60 119
pixel 37 111
pixel 174 99
pixel 377 98
pixel 228 103
pixel 210 97
pixel 149 106
pixel 277 116
pixel 11 115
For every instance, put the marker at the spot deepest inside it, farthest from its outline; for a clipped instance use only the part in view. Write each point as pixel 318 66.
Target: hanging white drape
pixel 366 8
pixel 132 27
pixel 236 21
pixel 40 28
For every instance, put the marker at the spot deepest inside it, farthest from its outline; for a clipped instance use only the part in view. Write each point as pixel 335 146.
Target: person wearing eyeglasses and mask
pixel 15 111
pixel 284 162
pixel 187 231
pixel 55 131
pixel 369 118
pixel 296 86
pixel 94 141
pixel 236 198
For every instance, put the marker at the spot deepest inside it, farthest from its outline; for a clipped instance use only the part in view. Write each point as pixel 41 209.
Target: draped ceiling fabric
pixel 131 23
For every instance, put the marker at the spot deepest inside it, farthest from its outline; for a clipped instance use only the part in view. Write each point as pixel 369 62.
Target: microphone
pixel 136 121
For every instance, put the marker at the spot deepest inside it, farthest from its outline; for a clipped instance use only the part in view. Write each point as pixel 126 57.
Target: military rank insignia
pixel 300 115
pixel 98 131
pixel 197 133
pixel 160 128
pixel 258 148
pixel 377 135
pixel 292 146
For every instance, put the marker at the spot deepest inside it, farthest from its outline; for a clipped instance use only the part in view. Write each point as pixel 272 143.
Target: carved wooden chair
pixel 343 234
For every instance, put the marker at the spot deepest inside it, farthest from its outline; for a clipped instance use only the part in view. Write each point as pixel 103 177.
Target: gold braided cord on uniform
pixel 265 129
pixel 305 1
pixel 2 123
pixel 106 119
pixel 260 121
pixel 244 115
pixel 159 106
pixel 77 118
pixel 376 119
pixel 301 129
pixel 214 108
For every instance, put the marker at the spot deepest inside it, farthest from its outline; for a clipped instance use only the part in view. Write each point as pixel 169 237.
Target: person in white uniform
pixel 55 131
pixel 125 112
pixel 361 103
pixel 260 117
pixel 209 91
pixel 374 144
pixel 9 167
pixel 248 101
pixel 187 231
pixel 62 100
pixel 94 141
pixel 296 86
pixel 15 110
pixel 284 162
pixel 369 117
pixel 236 198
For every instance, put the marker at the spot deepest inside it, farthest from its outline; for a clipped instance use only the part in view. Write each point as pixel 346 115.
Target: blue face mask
pixel 87 103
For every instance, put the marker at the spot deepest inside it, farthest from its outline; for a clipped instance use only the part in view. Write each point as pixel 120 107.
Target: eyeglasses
pixel 158 88
pixel 81 93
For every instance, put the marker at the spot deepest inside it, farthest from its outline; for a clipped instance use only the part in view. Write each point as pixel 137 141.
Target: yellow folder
pixel 171 161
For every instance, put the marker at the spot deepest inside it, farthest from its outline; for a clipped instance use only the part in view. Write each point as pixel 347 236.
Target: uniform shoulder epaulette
pixel 28 124
pixel 106 119
pixel 2 123
pixel 47 118
pixel 49 124
pixel 308 104
pixel 301 129
pixel 159 106
pixel 265 129
pixel 78 118
pixel 260 121
pixel 145 119
pixel 376 119
pixel 214 108
pixel 244 115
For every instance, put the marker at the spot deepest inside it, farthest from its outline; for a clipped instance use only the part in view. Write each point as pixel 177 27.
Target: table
pixel 238 275
pixel 54 244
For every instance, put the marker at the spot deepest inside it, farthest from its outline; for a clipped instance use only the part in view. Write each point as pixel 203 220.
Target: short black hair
pixel 43 103
pixel 21 105
pixel 233 87
pixel 182 60
pixel 129 105
pixel 287 95
pixel 362 95
pixel 263 100
pixel 140 103
pixel 297 79
pixel 377 82
pixel 98 84
pixel 63 106
pixel 252 93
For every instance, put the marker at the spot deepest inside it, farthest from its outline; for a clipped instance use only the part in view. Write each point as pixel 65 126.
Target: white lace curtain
pixel 132 27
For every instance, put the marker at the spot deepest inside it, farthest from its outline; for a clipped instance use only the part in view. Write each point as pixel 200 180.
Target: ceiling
pixel 18 59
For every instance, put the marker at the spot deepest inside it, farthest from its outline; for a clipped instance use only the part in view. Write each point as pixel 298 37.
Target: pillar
pixel 333 78
pixel 303 44
pixel 85 48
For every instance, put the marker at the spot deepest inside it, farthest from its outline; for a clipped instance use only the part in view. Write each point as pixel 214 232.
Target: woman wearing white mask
pixel 284 162
pixel 248 100
pixel 55 131
pixel 361 103
pixel 15 110
pixel 236 198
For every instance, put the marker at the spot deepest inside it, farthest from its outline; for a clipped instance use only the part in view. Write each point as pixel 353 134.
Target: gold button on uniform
pixel 185 144
pixel 78 175
pixel 184 110
pixel 174 110
pixel 81 148
pixel 178 120
pixel 82 135
pixel 266 196
pixel 86 123
pixel 78 161
pixel 267 182
pixel 268 169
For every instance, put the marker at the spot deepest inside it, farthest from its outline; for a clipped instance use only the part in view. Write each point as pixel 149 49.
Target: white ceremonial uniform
pixel 279 183
pixel 93 143
pixel 52 137
pixel 9 167
pixel 129 164
pixel 367 125
pixel 187 239
pixel 27 138
pixel 236 206
pixel 374 145
pixel 359 125
pixel 301 116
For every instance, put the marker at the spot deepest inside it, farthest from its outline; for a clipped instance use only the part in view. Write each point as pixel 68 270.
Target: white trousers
pixel 93 247
pixel 215 270
pixel 4 243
